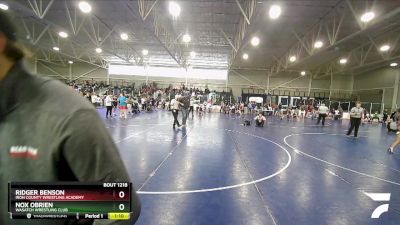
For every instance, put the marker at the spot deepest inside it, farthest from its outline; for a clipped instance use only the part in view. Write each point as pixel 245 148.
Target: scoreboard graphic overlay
pixel 69 200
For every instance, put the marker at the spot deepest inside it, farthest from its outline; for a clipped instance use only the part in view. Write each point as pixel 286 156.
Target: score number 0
pixel 121 194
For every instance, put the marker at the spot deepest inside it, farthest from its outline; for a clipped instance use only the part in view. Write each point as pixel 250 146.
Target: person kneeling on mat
pixel 322 112
pixel 260 119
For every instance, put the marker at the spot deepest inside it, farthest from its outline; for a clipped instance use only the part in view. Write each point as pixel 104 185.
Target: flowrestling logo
pixel 23 152
pixel 379 197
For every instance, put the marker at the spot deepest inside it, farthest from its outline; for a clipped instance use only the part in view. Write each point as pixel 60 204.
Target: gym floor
pixel 217 171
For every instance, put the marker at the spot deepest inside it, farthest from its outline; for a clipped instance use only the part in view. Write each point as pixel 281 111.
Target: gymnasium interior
pixel 272 56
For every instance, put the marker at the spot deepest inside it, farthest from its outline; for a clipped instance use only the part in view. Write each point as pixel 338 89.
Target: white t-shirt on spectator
pixel 108 101
pixel 94 98
pixel 323 110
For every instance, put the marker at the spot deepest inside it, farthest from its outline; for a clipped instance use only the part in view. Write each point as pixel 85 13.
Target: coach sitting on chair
pixel 260 119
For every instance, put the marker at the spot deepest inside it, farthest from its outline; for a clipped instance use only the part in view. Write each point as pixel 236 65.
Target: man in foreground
pixel 65 136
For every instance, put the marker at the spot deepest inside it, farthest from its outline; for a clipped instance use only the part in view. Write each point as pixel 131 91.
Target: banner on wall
pixel 175 72
pixel 256 99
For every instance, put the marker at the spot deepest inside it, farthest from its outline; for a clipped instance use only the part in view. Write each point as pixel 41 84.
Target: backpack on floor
pixel 247 123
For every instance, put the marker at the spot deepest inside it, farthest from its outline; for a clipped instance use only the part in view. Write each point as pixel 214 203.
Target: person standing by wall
pixel 143 101
pixel 115 105
pixel 241 108
pixel 108 103
pixel 356 113
pixel 302 111
pixel 185 100
pixel 396 118
pixel 123 106
pixel 322 113
pixel 175 105
pixel 385 116
pixel 93 99
pixel 135 105
pixel 191 106
pixel 279 110
pixel 129 104
pixel 88 97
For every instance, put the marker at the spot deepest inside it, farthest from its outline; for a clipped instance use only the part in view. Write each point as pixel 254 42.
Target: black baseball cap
pixel 7 27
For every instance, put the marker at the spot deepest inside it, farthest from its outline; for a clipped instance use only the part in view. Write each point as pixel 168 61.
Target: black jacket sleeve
pixel 92 155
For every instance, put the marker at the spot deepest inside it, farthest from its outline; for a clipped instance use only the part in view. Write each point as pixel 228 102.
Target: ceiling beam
pixel 52 70
pixel 243 25
pixel 247 79
pixel 381 61
pixel 303 44
pixel 243 13
pixel 373 24
pixel 110 31
pixel 157 29
pixel 287 82
pixel 38 9
pixel 50 62
pixel 360 54
pixel 229 41
pixel 151 8
pixel 65 55
pixel 86 73
pixel 41 35
pixel 23 11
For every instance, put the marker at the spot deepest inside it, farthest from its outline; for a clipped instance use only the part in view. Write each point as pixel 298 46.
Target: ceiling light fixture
pixel 55 48
pixel 255 41
pixel 274 12
pixel 63 34
pixel 343 61
pixel 145 52
pixel 70 62
pixel 318 44
pixel 303 73
pixel 186 38
pixel 124 36
pixel 292 58
pixel 99 50
pixel 245 56
pixel 384 48
pixel 366 17
pixel 174 9
pixel 85 7
pixel 3 6
pixel 393 64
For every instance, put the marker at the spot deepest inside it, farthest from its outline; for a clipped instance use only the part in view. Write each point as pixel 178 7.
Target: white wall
pixel 370 87
pixel 289 82
pixel 378 85
pixel 67 71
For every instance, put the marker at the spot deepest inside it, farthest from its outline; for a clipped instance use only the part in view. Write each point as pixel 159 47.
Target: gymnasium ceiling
pixel 220 31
